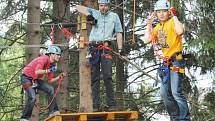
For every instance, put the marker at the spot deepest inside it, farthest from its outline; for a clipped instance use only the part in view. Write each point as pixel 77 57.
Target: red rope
pixel 105 47
pixel 68 34
pixel 56 91
pixel 155 46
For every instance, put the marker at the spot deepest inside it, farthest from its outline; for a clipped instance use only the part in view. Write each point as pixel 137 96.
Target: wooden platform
pixel 96 116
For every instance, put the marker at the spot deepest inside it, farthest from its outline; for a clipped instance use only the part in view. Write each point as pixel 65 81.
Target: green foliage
pixel 210 104
pixel 204 39
pixel 144 101
pixel 9 86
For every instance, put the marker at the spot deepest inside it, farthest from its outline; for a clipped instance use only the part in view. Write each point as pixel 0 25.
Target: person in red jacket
pixel 31 79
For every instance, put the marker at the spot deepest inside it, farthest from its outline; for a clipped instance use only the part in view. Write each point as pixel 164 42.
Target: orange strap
pixel 108 56
pixel 107 48
pixel 177 69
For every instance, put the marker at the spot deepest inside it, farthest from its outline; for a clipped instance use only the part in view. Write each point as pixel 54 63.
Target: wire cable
pixel 32 46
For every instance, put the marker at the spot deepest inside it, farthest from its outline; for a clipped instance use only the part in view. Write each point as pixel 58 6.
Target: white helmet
pixel 54 49
pixel 162 4
pixel 103 1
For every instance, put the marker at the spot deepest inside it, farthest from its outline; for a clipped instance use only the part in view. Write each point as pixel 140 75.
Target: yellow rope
pixel 134 18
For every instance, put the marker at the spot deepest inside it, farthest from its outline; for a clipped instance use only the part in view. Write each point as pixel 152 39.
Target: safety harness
pixel 34 84
pixel 166 66
pixel 98 50
pixel 166 60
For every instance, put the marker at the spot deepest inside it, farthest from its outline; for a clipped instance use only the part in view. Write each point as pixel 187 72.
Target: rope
pixel 125 59
pixel 29 23
pixel 137 67
pixel 42 108
pixel 127 10
pixel 155 46
pixel 52 33
pixel 65 32
pixel 32 46
pixel 123 11
pixel 134 18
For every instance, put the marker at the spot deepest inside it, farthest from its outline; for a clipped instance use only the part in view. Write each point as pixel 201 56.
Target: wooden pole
pixel 84 68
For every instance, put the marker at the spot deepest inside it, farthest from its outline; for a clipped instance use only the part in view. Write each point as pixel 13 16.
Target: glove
pixel 63 74
pixel 173 11
pixel 91 20
pixel 53 69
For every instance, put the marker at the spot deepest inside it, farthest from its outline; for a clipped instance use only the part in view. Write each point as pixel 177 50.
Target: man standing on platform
pixel 104 25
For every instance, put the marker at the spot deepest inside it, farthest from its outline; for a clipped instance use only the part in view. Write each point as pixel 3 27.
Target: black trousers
pixel 102 65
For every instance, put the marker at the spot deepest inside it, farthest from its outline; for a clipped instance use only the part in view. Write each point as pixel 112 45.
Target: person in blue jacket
pixel 105 24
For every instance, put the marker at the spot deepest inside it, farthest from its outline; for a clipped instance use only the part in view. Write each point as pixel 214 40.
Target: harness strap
pixel 108 56
pixel 177 69
pixel 27 86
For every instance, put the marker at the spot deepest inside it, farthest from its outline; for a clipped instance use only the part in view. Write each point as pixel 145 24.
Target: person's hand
pixel 173 11
pixel 151 17
pixel 53 69
pixel 63 74
pixel 91 20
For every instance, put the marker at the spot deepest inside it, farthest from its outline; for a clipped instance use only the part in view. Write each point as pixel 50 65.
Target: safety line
pixel 32 46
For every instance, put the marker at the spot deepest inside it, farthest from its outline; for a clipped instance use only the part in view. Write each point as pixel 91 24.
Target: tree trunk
pixel 84 71
pixel 34 37
pixel 61 14
pixel 120 72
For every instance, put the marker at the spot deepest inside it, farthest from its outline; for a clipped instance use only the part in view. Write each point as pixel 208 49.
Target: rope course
pixel 66 32
pixel 70 36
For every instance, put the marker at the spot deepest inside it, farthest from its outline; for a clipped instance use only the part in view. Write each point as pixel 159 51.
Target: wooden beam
pixel 104 116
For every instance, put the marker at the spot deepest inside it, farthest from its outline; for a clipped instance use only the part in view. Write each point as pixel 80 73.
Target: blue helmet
pixel 162 4
pixel 54 49
pixel 103 1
